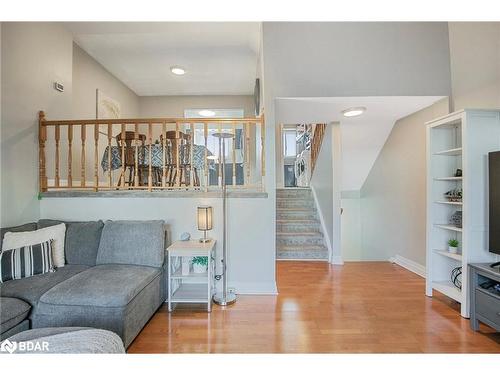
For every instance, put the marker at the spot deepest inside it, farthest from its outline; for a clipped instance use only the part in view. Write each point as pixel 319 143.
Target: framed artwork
pixel 106 107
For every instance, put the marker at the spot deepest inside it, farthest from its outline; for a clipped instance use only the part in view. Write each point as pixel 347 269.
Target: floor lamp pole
pixel 225 298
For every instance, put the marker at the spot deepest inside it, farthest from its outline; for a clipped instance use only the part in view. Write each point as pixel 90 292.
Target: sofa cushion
pixel 82 240
pixel 21 228
pixel 26 261
pixel 126 320
pixel 132 242
pixel 12 312
pixel 32 288
pixel 107 285
pixel 14 240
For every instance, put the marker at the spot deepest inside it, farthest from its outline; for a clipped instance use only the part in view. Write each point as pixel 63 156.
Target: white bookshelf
pixel 459 140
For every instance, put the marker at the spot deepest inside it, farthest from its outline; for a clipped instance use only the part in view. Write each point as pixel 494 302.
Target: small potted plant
pixel 453 246
pixel 200 264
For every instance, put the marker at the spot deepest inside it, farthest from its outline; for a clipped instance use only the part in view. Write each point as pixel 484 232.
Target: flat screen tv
pixel 494 203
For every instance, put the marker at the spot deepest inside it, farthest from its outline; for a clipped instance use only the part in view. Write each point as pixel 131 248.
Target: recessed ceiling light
pixel 177 70
pixel 206 113
pixel 353 112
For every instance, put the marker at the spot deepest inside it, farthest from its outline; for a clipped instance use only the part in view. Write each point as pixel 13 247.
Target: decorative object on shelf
pixel 456 277
pixel 453 246
pixel 185 266
pixel 454 195
pixel 224 297
pixel 456 219
pixel 185 236
pixel 204 221
pixel 200 264
pixel 458 173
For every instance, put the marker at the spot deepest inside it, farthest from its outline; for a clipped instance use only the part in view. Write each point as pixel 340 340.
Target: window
pixel 212 142
pixel 289 142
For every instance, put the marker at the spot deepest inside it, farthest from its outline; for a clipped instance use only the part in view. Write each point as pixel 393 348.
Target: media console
pixel 484 298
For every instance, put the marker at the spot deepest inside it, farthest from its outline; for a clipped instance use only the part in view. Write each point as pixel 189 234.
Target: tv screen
pixel 494 192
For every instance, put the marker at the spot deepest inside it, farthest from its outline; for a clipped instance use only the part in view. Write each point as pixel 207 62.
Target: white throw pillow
pixel 14 240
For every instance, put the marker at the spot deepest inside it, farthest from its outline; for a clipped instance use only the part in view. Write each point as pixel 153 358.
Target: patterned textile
pixel 157 156
pixel 26 261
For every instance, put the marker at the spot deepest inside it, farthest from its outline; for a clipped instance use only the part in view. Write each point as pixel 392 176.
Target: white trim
pixel 254 288
pixel 322 221
pixel 337 259
pixel 409 264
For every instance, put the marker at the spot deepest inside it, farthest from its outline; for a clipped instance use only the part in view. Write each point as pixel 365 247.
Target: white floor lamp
pixel 224 298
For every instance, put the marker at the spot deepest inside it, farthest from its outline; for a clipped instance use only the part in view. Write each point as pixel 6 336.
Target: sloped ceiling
pixel 220 58
pixel 362 137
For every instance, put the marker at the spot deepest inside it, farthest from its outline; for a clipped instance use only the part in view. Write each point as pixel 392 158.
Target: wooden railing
pixel 317 140
pixel 157 153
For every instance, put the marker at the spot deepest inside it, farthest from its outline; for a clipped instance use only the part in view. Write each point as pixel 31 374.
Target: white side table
pixel 195 287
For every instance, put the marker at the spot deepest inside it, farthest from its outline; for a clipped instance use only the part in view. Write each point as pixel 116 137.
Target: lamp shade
pixel 204 218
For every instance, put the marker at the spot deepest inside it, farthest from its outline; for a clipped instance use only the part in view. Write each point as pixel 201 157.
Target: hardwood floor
pixel 366 307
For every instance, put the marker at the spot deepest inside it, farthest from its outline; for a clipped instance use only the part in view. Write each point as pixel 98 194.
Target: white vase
pixel 199 268
pixel 453 250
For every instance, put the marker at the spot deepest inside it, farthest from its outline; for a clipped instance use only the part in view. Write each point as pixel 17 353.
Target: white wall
pixel 89 75
pixel 248 228
pixel 351 226
pixel 34 56
pixel 475 64
pixel 393 197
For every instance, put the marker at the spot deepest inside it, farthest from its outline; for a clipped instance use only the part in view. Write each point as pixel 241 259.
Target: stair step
pixel 301 252
pixel 296 214
pixel 294 203
pixel 299 239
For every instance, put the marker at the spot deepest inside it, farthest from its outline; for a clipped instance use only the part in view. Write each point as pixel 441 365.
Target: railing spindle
pixel 164 145
pixel 234 154
pixel 206 174
pixel 42 138
pixel 136 159
pixel 96 157
pixel 191 154
pixel 177 157
pixel 150 167
pixel 110 137
pixel 123 157
pixel 83 136
pixel 57 139
pixel 70 155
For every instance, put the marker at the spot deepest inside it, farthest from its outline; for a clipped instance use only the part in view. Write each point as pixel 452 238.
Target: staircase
pixel 298 230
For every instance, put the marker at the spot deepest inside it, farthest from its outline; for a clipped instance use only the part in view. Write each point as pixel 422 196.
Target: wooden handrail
pixel 155 121
pixel 317 141
pixel 145 172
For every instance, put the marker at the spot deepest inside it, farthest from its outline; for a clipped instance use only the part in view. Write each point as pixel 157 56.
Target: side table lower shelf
pixel 190 287
pixel 190 293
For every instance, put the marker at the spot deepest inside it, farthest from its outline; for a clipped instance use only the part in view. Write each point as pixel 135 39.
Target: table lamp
pixel 204 221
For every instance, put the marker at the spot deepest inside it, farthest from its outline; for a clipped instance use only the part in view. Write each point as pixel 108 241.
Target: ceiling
pixel 362 137
pixel 220 58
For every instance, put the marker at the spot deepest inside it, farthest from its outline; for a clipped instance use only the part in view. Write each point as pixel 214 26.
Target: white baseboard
pixel 409 264
pixel 337 259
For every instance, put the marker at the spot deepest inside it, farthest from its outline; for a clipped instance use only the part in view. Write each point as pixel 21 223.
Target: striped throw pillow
pixel 26 261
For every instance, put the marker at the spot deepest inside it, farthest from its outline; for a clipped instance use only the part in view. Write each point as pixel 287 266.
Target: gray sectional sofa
pixel 114 279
